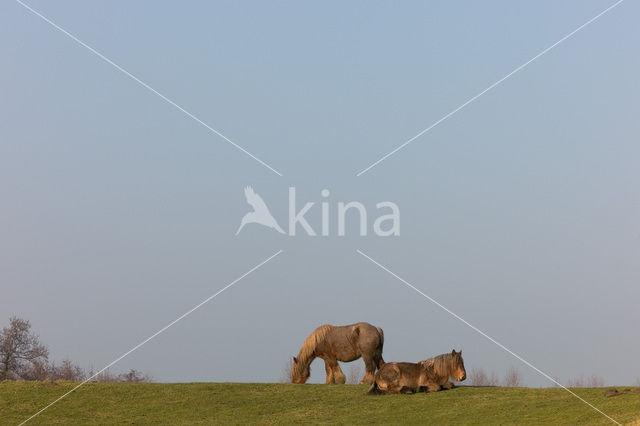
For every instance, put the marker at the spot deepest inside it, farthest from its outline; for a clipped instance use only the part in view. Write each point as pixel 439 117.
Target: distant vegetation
pixel 589 382
pixel 24 357
pixel 512 378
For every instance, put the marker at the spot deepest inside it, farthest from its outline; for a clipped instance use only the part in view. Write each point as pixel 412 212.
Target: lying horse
pixel 430 375
pixel 340 343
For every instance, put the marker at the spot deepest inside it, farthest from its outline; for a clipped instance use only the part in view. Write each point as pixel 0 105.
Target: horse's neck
pixel 306 360
pixel 307 354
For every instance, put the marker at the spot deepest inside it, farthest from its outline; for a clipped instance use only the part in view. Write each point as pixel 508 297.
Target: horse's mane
pixel 440 365
pixel 310 344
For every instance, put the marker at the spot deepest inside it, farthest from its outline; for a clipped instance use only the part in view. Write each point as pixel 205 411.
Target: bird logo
pixel 260 213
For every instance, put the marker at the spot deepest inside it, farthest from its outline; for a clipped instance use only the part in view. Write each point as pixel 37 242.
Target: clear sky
pixel 520 213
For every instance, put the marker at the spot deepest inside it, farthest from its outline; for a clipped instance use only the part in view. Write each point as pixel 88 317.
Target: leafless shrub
pixel 38 370
pixel 67 370
pixel 595 382
pixel 479 378
pixel 103 377
pixel 590 382
pixel 513 378
pixel 493 379
pixel 354 375
pixel 133 376
pixel 285 375
pixel 576 383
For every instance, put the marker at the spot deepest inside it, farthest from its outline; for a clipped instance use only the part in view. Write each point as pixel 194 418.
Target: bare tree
pixel 20 350
pixel 354 375
pixel 513 378
pixel 479 378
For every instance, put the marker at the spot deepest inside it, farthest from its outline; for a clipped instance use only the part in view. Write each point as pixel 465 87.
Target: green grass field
pixel 267 403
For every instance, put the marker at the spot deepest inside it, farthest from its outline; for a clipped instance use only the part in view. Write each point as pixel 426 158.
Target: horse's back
pixel 360 331
pixel 398 369
pixel 369 337
pixel 366 327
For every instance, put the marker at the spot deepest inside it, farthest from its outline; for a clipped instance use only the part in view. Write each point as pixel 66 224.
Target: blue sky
pixel 520 213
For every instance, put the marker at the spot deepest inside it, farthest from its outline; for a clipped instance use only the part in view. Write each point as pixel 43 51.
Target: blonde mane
pixel 310 344
pixel 439 365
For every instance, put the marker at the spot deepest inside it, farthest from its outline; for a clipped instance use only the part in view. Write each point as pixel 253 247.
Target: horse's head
pixel 299 371
pixel 457 366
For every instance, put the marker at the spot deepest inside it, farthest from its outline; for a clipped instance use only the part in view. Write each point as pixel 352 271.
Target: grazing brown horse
pixel 430 375
pixel 340 343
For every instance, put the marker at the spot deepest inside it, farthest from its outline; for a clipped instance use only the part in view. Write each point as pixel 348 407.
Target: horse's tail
pixel 379 359
pixel 374 389
pixel 381 333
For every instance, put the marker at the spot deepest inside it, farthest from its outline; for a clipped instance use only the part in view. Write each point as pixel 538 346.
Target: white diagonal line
pixel 489 88
pixel 157 333
pixel 432 300
pixel 145 85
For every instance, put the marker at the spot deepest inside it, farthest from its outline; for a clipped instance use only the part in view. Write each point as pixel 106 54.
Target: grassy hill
pixel 204 403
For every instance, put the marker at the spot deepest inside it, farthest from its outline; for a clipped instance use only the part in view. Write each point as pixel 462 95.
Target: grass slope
pixel 205 403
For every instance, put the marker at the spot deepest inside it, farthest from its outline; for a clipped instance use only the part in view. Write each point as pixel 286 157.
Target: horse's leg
pixel 370 370
pixel 448 385
pixel 394 387
pixel 432 387
pixel 329 371
pixel 338 375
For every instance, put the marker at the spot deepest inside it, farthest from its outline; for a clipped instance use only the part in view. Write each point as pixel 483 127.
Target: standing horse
pixel 430 375
pixel 340 343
